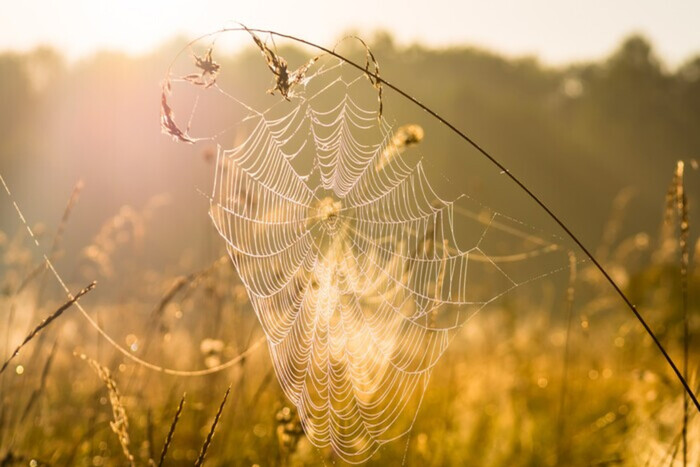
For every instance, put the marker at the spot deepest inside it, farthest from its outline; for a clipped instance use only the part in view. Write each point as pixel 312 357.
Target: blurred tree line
pixel 577 134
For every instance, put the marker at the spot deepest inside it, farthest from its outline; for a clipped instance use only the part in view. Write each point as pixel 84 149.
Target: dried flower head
pixel 120 424
pixel 404 137
pixel 284 79
pixel 209 70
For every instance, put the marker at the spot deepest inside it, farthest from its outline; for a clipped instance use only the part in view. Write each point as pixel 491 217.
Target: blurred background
pixel 563 94
pixel 590 104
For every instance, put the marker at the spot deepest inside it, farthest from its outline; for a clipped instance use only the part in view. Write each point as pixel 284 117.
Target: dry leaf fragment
pixel 167 118
pixel 209 70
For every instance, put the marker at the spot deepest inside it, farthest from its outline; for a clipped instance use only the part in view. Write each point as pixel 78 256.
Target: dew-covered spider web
pixel 359 271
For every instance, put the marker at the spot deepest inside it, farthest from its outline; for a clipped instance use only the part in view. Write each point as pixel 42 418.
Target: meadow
pixel 556 372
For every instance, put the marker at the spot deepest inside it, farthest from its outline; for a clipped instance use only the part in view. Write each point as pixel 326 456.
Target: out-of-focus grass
pixel 498 397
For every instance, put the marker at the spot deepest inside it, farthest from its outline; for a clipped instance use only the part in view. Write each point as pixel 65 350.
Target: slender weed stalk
pixel 42 382
pixel 58 236
pixel 207 441
pixel 171 431
pixel 680 205
pixel 149 433
pixel 97 326
pixel 570 291
pixel 48 320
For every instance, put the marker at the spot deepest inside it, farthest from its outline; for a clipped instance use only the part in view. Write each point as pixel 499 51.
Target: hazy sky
pixel 555 30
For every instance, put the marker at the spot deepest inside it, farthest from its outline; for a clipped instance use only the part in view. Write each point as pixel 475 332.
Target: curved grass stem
pixel 376 78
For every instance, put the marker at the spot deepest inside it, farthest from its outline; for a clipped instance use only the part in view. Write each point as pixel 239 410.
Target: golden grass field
pixel 558 372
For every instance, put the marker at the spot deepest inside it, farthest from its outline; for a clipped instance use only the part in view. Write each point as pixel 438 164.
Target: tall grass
pixel 494 401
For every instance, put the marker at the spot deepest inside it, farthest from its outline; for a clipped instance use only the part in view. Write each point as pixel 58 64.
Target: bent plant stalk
pixel 374 77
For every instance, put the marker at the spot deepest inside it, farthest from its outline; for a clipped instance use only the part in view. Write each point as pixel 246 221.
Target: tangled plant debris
pixel 209 70
pixel 284 80
pixel 167 117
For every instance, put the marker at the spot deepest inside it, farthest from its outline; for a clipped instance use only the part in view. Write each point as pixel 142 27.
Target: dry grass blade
pixel 42 382
pixel 46 322
pixel 679 201
pixel 562 441
pixel 120 425
pixel 167 117
pixel 171 432
pixel 612 228
pixel 10 458
pixel 190 280
pixel 261 388
pixel 178 284
pixel 371 70
pixel 72 201
pixel 149 434
pixel 373 75
pixel 284 80
pixel 55 244
pixel 207 441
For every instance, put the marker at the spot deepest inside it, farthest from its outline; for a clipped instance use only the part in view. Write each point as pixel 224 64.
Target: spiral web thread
pixel 351 264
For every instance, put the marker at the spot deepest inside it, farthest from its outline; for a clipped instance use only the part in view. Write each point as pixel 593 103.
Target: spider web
pixel 350 257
